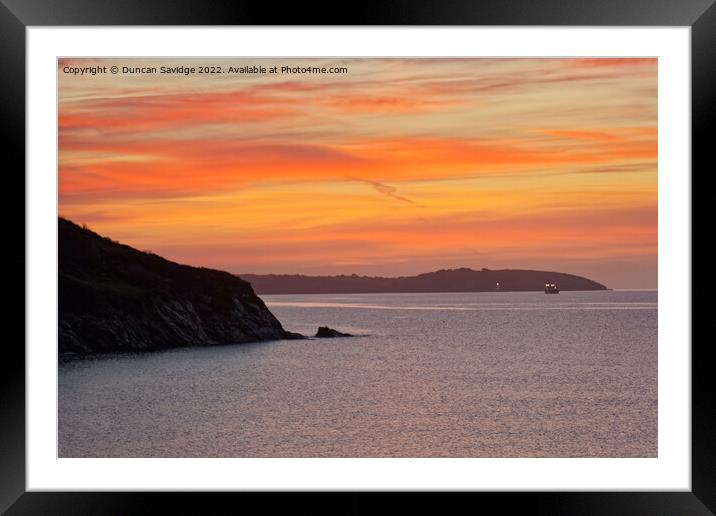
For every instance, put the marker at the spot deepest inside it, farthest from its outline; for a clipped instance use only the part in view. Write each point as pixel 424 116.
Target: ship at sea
pixel 551 288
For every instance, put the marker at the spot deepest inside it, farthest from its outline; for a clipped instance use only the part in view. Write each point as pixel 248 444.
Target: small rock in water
pixel 326 332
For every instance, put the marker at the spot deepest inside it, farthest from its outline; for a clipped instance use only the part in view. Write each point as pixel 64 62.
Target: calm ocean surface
pixel 432 375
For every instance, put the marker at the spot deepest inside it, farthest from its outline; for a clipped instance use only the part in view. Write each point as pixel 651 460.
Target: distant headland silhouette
pixel 444 280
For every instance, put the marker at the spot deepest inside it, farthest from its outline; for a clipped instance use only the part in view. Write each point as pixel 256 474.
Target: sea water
pixel 427 375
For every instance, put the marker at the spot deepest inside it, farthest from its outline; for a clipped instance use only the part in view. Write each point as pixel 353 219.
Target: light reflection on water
pixel 452 375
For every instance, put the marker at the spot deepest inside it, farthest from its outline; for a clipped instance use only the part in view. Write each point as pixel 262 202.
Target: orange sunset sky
pixel 398 167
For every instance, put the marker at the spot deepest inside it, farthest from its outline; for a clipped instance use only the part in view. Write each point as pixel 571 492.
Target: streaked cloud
pixel 417 163
pixel 387 190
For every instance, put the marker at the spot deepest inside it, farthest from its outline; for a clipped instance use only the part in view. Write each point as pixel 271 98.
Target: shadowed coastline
pixel 115 298
pixel 446 280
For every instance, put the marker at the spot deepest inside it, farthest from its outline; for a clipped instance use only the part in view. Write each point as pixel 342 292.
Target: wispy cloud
pixel 542 158
pixel 387 190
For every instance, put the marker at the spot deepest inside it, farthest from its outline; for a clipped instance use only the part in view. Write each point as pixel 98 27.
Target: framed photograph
pixel 416 250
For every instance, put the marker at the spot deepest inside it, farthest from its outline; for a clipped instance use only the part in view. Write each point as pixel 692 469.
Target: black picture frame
pixel 17 15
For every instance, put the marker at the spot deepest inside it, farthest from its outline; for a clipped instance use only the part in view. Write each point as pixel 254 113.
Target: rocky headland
pixel 113 297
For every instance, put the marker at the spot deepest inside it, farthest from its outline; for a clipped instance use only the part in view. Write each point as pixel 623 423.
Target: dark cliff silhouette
pixel 115 298
pixel 451 280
